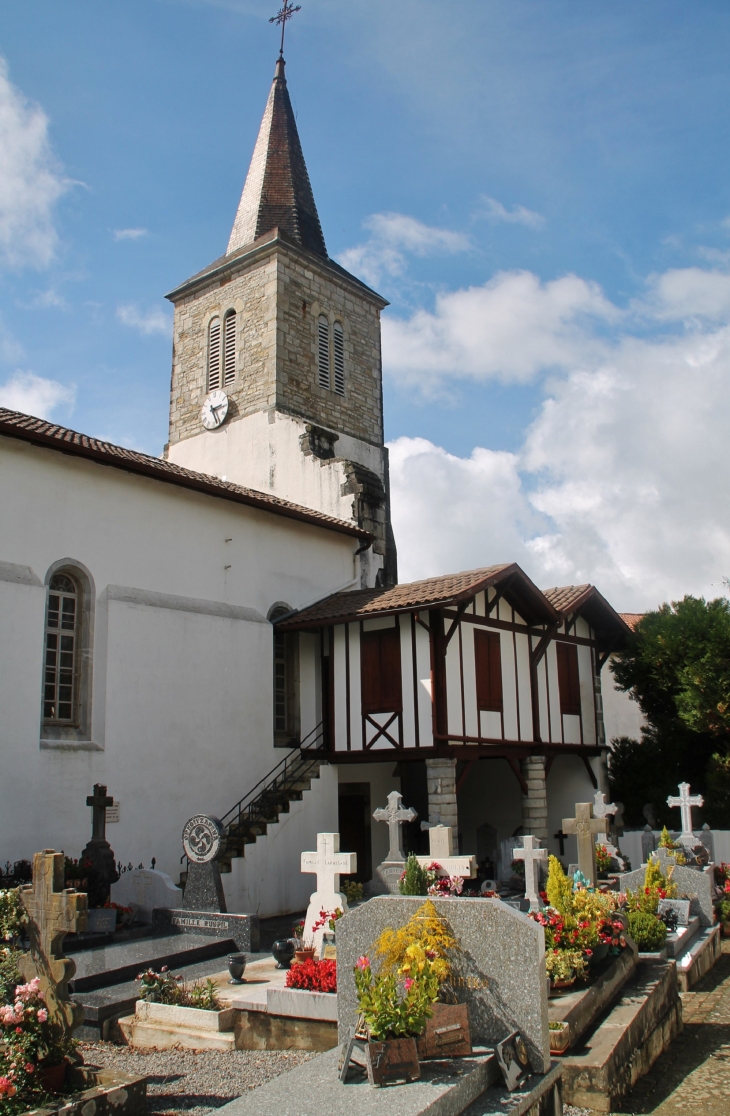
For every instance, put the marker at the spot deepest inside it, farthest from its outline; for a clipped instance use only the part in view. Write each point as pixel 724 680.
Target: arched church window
pixel 229 347
pixel 323 351
pixel 61 661
pixel 339 358
pixel 214 354
pixel 286 682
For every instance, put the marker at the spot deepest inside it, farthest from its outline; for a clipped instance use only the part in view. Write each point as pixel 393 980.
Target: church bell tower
pixel 276 369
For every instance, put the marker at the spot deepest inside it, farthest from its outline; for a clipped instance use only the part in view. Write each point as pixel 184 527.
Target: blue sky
pixel 540 189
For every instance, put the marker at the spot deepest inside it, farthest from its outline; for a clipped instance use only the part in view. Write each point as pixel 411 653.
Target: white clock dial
pixel 215 409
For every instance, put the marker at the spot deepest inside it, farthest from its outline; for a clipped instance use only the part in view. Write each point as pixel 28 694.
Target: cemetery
pixel 555 984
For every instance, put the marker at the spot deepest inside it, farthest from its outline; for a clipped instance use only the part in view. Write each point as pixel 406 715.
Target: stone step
pixel 115 964
pixel 702 954
pixel 626 1042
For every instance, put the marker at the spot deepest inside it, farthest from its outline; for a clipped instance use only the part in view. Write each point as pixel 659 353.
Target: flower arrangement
pixel 327 918
pixel 603 859
pixel 565 965
pixel 164 988
pixel 13 915
pixel 28 1047
pixel 392 1008
pixel 425 930
pixel 656 887
pixel 313 976
pixel 297 929
pixel 445 886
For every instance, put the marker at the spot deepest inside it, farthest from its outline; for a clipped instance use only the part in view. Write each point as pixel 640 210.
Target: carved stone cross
pixel 532 856
pixel 395 814
pixel 328 863
pixel 605 810
pixel 441 851
pixel 685 801
pixel 99 801
pixel 585 827
pixel 53 912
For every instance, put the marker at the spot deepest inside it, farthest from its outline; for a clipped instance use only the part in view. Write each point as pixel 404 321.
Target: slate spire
pixel 277 193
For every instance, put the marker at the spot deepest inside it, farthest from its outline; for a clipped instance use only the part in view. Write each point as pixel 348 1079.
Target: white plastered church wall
pixel 622 716
pixel 182 669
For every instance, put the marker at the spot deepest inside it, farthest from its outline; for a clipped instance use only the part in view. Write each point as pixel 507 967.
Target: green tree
pixel 677 666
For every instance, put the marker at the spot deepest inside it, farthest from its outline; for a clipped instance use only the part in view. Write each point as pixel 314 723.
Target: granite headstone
pixel 695 884
pixel 203 841
pixel 499 971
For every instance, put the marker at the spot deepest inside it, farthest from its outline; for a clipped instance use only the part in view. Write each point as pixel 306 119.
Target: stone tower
pixel 289 342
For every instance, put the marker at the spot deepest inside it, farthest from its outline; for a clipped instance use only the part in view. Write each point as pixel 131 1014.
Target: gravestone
pixel 98 854
pixel 441 852
pixel 695 884
pixel 533 856
pixel 499 971
pixel 53 912
pixel 144 890
pixel 506 856
pixel 585 827
pixel 681 906
pixel 328 863
pixel 203 842
pixel 708 841
pixel 648 844
pixel 685 801
pixel 603 811
pixel 389 872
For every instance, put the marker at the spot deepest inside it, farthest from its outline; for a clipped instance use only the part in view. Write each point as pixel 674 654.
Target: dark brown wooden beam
pixel 591 772
pixel 514 764
pixel 455 622
pixel 462 778
pixel 438 672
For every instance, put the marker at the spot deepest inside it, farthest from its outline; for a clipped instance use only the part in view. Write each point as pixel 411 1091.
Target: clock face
pixel 215 409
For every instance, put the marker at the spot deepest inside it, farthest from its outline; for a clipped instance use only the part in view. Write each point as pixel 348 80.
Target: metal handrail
pixel 276 778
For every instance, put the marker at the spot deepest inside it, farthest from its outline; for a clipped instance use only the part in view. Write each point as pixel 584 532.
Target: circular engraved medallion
pixel 203 838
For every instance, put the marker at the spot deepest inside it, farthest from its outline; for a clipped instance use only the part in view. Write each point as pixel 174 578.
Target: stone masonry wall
pixel 441 787
pixel 278 299
pixel 534 803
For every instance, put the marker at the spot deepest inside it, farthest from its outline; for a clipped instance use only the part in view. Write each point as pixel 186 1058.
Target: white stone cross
pixel 395 814
pixel 532 855
pixel 441 850
pixel 604 810
pixel 328 863
pixel 685 801
pixel 585 827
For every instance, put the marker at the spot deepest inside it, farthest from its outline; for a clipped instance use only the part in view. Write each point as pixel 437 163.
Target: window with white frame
pixel 339 357
pixel 214 354
pixel 323 351
pixel 229 348
pixel 61 660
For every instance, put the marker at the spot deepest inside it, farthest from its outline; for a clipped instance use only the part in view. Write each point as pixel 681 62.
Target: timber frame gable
pixel 470 665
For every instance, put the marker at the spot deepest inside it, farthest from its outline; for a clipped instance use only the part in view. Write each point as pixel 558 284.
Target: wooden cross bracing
pixel 53 912
pixel 585 827
pixel 395 815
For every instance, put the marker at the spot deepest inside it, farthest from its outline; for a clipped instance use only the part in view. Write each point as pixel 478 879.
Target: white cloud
pixel 394 236
pixel 30 183
pixel 623 478
pixel 146 321
pixel 510 329
pixel 130 234
pixel 493 210
pixel 35 395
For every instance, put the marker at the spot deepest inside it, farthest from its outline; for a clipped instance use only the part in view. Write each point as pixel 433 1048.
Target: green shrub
pixel 647 931
pixel 414 880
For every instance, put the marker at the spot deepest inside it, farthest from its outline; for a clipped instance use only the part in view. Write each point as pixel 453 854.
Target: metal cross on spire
pixel 281 17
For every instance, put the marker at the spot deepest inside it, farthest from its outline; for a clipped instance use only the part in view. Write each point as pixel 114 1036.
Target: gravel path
pixel 181 1081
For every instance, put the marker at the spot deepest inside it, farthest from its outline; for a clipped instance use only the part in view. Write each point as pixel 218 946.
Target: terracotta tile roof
pixel 48 434
pixel 449 588
pixel 631 619
pixel 566 597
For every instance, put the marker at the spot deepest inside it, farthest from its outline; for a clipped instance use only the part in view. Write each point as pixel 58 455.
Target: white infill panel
pixel 551 661
pixel 523 677
pixel 587 694
pixel 340 685
pixel 490 724
pixel 355 688
pixel 470 679
pixel 571 728
pixel 542 697
pixel 406 660
pixel 509 687
pixel 453 684
pixel 423 674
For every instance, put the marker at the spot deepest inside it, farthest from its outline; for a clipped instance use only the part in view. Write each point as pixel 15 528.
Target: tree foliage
pixel 677 667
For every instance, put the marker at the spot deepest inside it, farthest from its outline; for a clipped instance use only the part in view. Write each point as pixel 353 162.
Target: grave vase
pixel 303 955
pixel 392 1062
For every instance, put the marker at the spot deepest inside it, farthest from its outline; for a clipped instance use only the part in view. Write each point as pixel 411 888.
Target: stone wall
pixel 534 803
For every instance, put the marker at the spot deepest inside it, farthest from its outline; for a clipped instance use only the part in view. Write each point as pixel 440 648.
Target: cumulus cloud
pixel 623 477
pixel 130 234
pixel 148 322
pixel 31 182
pixel 394 236
pixel 493 210
pixel 511 328
pixel 34 395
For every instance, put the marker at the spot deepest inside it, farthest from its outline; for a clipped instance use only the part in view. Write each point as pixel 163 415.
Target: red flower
pixel 313 976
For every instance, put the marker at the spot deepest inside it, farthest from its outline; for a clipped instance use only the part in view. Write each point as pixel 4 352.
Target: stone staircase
pixel 272 795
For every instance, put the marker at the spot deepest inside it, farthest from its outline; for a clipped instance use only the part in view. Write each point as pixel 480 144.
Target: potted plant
pixel 564 967
pixel 603 861
pixel 559 1036
pixel 395 1013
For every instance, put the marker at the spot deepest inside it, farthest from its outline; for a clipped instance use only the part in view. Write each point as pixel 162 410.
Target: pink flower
pixel 42 1015
pixel 29 1067
pixel 408 983
pixel 363 963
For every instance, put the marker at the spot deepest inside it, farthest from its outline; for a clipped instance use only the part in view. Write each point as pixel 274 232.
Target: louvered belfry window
pixel 60 680
pixel 214 354
pixel 339 355
pixel 229 347
pixel 323 351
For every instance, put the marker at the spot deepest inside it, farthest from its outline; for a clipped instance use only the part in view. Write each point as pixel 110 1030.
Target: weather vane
pixel 281 17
